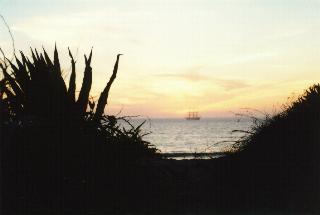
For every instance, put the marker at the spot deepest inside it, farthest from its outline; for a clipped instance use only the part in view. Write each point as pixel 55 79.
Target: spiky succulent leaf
pixel 83 99
pixel 72 81
pixel 103 99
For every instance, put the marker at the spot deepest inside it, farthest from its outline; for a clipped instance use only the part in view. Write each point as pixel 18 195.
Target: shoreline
pixel 191 155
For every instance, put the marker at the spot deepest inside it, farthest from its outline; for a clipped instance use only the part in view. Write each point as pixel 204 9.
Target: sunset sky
pixel 214 56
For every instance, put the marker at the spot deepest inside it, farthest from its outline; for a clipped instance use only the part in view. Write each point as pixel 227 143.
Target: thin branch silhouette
pixel 11 35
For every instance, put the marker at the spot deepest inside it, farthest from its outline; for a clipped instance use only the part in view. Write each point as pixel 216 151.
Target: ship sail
pixel 193 116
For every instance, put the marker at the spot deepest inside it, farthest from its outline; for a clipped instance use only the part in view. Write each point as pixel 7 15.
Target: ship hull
pixel 193 118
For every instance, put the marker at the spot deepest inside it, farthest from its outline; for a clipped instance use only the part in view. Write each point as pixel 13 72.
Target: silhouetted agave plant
pixel 56 141
pixel 35 92
pixel 36 88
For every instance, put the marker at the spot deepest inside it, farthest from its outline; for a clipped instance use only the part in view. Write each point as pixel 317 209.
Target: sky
pixel 217 57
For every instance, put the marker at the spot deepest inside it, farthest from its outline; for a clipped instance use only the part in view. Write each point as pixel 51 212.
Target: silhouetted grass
pixel 300 118
pixel 280 156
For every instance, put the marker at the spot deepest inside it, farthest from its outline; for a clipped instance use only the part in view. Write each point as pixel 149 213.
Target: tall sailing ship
pixel 193 116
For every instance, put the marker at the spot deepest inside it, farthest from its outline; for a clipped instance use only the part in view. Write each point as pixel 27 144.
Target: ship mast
pixel 193 115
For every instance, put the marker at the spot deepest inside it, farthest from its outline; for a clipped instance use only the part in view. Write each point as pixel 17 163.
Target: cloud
pixel 287 34
pixel 191 75
pixel 195 76
pixel 249 57
pixel 231 84
pixel 74 28
pixel 188 76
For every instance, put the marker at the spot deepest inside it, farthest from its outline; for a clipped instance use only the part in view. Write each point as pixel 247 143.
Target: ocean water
pixel 206 135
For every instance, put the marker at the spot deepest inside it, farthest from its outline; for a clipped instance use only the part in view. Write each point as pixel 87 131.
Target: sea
pixel 188 137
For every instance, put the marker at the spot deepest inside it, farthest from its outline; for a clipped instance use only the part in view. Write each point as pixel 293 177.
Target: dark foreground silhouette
pixel 60 155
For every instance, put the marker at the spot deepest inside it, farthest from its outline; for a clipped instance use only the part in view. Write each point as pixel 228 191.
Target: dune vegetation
pixel 34 94
pixel 278 159
pixel 55 142
pixel 60 154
